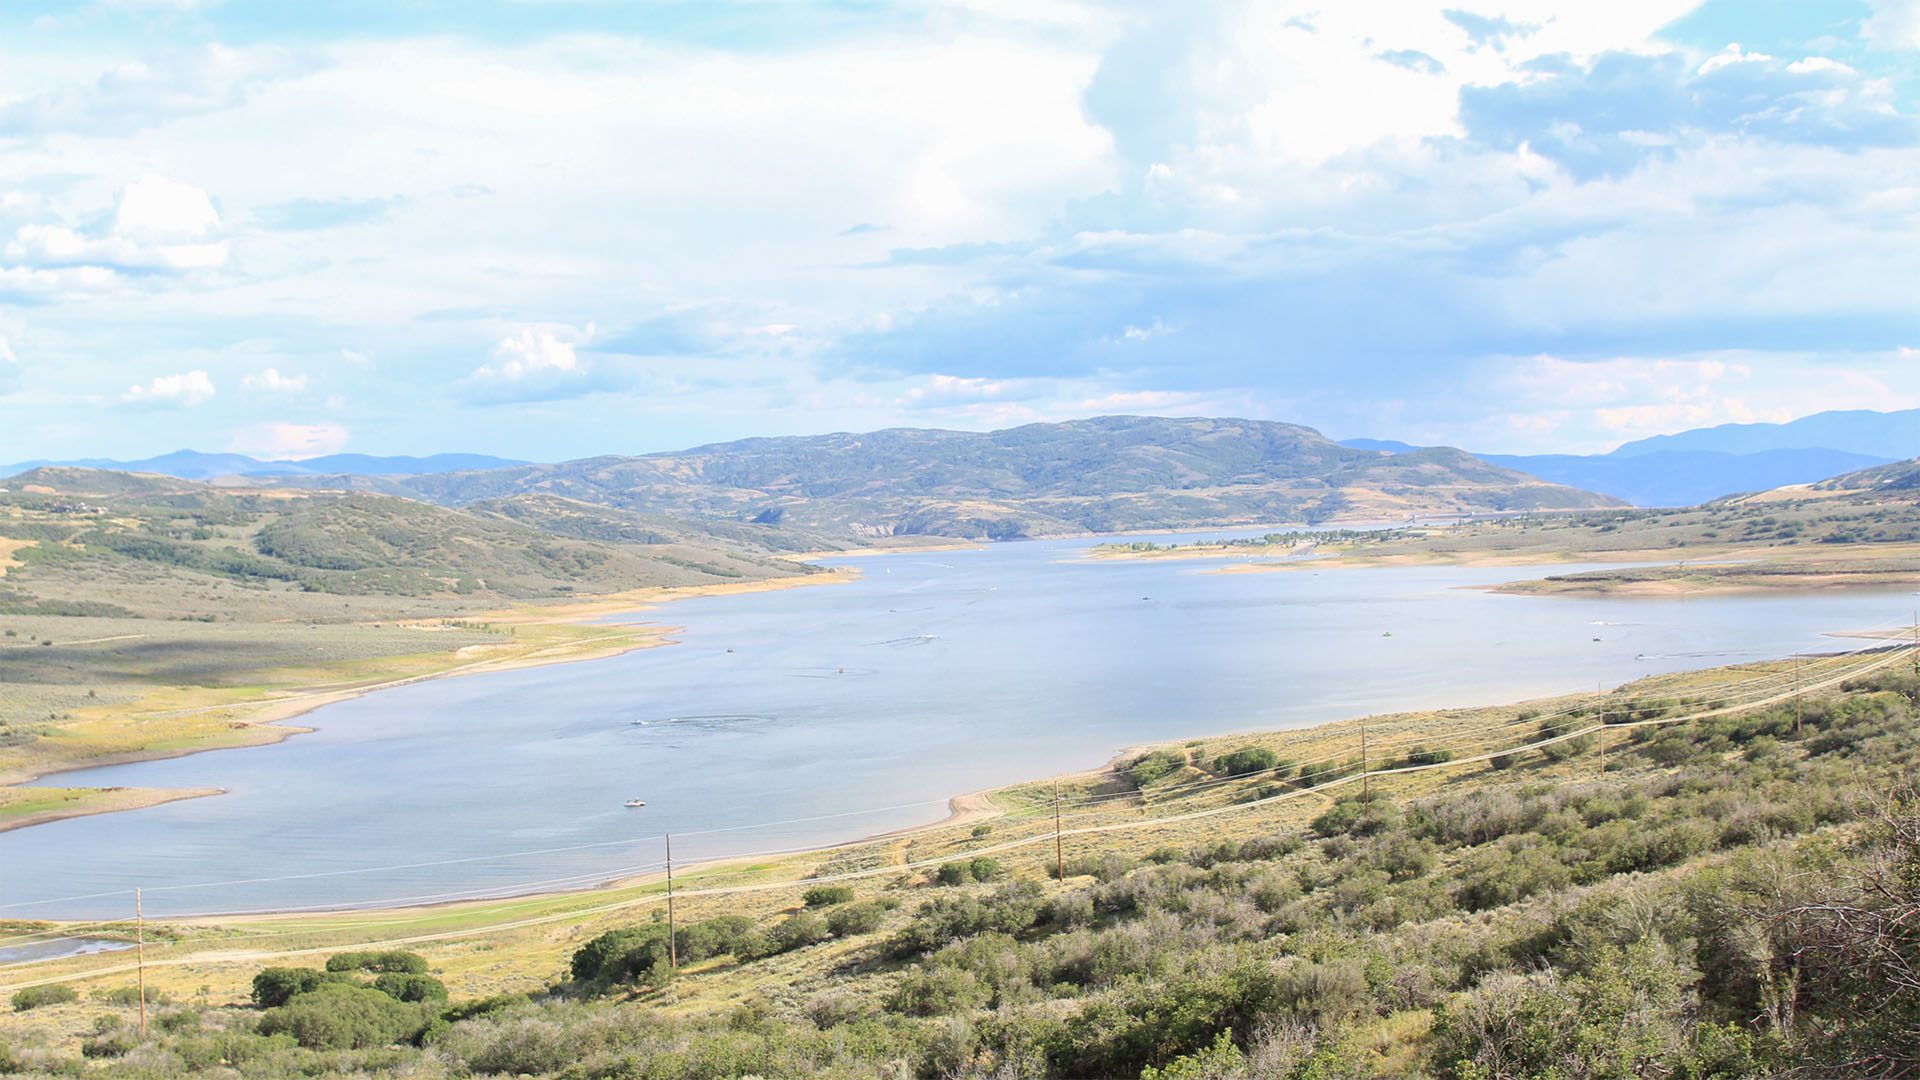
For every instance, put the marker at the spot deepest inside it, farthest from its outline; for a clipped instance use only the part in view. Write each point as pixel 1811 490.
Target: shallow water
pixel 934 674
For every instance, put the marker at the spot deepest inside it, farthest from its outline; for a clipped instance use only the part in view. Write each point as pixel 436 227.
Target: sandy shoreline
pixel 267 725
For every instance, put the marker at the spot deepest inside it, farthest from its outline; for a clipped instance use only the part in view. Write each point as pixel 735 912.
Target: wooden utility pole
pixel 1366 774
pixel 140 958
pixel 1799 709
pixel 1059 853
pixel 673 947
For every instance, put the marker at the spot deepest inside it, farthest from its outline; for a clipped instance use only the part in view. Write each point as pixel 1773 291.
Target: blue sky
pixel 552 229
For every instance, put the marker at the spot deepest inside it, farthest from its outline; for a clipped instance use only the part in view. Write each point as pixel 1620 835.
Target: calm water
pixel 935 674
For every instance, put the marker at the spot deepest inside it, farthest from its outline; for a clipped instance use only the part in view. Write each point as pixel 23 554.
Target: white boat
pixel 635 804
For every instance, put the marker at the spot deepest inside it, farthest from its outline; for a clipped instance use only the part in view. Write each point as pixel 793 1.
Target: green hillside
pixel 100 542
pixel 1106 474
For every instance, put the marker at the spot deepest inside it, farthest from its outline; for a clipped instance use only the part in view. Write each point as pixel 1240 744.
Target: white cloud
pixel 185 389
pixel 158 224
pixel 7 355
pixel 943 390
pixel 531 353
pixel 140 93
pixel 355 359
pixel 284 440
pixel 271 381
pixel 1894 24
pixel 538 363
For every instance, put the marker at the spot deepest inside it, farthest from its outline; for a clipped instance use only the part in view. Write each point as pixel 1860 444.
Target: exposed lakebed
pixel 934 674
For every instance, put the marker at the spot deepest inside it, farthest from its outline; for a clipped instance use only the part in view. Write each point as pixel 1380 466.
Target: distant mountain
pixel 1685 478
pixel 194 465
pixel 1669 477
pixel 1101 475
pixel 1889 436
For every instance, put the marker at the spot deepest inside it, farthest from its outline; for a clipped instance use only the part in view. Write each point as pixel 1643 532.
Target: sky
pixel 551 229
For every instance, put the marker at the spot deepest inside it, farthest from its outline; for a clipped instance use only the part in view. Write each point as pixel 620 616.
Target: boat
pixel 635 804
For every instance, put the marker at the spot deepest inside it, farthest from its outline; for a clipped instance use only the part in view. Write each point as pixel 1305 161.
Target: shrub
pixel 855 919
pixel 986 869
pixel 34 997
pixel 277 985
pixel 402 987
pixel 955 873
pixel 799 931
pixel 1248 759
pixel 339 1016
pixel 938 991
pixel 396 962
pixel 827 895
pixel 1153 765
pixel 620 955
pixel 1421 755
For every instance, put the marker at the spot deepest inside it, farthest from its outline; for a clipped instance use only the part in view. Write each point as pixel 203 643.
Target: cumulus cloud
pixel 538 363
pixel 184 389
pixel 271 381
pixel 158 225
pixel 283 440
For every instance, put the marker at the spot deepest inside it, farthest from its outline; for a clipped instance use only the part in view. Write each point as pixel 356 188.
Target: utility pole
pixel 1366 774
pixel 673 948
pixel 140 958
pixel 1799 709
pixel 1059 853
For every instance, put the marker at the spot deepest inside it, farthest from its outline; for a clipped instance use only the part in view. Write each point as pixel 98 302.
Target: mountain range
pixel 914 480
pixel 194 465
pixel 1697 466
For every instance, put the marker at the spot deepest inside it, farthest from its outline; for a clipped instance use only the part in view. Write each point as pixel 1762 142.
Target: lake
pixel 846 710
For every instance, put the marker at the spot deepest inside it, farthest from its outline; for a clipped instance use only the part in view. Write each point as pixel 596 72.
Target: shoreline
pixel 963 809
pixel 267 726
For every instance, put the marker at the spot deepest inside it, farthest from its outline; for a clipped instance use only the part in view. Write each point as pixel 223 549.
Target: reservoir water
pixel 847 710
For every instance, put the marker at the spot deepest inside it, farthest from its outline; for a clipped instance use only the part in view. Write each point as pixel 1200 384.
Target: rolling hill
pixel 1102 475
pixel 90 541
pixel 1885 435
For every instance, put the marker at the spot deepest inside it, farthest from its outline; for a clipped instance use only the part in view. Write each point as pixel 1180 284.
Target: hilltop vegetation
pixel 1734 897
pixel 1103 475
pixel 155 546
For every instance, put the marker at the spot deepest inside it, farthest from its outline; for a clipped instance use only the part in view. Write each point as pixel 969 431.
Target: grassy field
pixel 1163 803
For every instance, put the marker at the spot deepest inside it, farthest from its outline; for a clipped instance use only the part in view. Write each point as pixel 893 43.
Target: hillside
pixel 165 547
pixel 1899 477
pixel 1101 475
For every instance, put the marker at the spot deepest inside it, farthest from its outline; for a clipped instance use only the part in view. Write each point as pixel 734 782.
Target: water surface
pixel 935 674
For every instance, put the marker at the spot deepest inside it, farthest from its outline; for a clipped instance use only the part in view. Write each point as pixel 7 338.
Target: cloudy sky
pixel 556 228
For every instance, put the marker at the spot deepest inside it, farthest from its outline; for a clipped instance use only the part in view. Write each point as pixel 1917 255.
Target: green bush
pixel 401 987
pixel 34 997
pixel 1153 765
pixel 1250 759
pixel 339 1016
pixel 277 985
pixel 395 962
pixel 799 931
pixel 938 991
pixel 827 895
pixel 855 919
